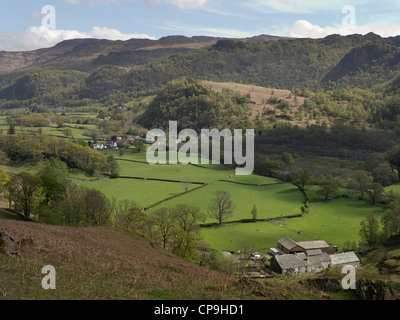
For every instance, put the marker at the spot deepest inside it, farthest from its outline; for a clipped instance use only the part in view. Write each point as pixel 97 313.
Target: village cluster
pixel 119 142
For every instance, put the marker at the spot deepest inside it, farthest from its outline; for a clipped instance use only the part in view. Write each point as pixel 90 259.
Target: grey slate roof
pixel 311 245
pixel 287 243
pixel 317 261
pixel 292 261
pixel 313 252
pixel 345 257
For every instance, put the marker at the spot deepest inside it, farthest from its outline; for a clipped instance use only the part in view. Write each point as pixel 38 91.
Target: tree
pixel 11 128
pixel 97 207
pixel 254 213
pixel 375 191
pixel 187 232
pixel 71 209
pixel 4 180
pixel 114 169
pixel 80 207
pixel 139 146
pixel 303 177
pixel 287 158
pixel 360 180
pixel 188 217
pixel 270 167
pixel 163 220
pixel 384 174
pixel 221 207
pixel 52 188
pixel 94 135
pixel 128 215
pixel 68 132
pixel 57 169
pixel 306 208
pixel 369 230
pixel 350 246
pixel 26 192
pixel 186 184
pixel 245 250
pixel 329 189
pixel 391 218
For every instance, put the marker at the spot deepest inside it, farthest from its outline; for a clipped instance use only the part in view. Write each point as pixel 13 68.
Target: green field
pixel 335 222
pixel 144 192
pixel 272 201
pixel 171 172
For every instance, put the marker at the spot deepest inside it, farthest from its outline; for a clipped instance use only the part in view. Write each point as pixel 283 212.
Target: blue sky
pixel 21 20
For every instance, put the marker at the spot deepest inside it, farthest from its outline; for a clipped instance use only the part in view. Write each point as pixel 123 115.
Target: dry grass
pixel 260 96
pixel 101 263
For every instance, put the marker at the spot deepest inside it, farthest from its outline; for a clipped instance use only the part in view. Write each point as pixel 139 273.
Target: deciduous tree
pixel 26 192
pixel 221 207
pixel 303 177
pixel 369 230
pixel 328 189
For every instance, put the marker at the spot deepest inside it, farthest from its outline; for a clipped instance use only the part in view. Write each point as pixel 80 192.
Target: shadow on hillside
pixel 9 215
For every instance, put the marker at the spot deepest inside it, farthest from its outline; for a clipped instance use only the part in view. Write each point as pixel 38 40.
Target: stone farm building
pixel 310 256
pixel 287 246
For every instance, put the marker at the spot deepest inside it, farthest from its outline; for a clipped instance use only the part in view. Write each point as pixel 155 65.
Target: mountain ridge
pixel 92 48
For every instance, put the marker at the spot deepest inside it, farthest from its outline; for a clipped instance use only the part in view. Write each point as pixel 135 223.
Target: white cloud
pixel 198 30
pixel 301 6
pixel 305 29
pixel 181 4
pixel 41 37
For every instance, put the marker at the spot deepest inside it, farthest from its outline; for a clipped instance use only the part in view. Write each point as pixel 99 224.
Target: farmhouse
pixel 98 146
pixel 111 145
pixel 291 264
pixel 310 256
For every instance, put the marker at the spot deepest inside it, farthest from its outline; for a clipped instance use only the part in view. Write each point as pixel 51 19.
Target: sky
pixel 34 24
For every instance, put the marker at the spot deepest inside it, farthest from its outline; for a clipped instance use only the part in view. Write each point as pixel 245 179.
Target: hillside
pixel 86 54
pixel 260 98
pixel 279 64
pixel 101 263
pixel 196 106
pixel 366 62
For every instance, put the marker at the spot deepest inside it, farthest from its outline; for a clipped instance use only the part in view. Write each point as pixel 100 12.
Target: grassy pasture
pixel 272 201
pixel 144 192
pixel 335 222
pixel 171 172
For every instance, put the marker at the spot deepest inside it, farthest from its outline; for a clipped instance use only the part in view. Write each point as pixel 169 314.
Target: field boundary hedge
pixel 174 196
pixel 216 224
pixel 161 180
pixel 253 184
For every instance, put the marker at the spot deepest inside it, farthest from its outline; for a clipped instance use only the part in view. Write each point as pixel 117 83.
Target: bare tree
pixel 128 215
pixel 186 184
pixel 221 207
pixel 163 219
pixel 245 250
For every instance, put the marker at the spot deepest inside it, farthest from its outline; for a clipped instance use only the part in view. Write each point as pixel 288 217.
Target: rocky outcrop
pixel 375 290
pixel 366 289
pixel 324 284
pixel 8 245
